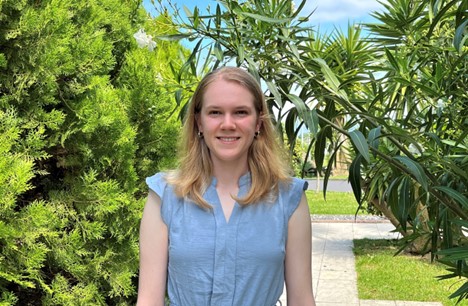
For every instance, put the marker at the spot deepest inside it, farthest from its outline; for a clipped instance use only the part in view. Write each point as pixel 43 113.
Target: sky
pixel 328 13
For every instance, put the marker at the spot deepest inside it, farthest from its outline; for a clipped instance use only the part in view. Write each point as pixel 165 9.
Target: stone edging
pixel 347 219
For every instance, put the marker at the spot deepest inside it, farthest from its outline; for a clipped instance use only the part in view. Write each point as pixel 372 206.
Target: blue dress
pixel 219 263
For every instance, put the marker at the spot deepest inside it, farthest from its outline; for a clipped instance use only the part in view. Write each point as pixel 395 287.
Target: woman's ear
pixel 259 122
pixel 197 122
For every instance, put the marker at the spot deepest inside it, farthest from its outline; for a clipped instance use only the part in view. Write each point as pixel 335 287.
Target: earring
pixel 200 134
pixel 257 133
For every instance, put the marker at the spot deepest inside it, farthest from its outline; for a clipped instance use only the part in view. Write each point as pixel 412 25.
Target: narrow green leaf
pixel 461 292
pixel 266 18
pixel 432 11
pixel 218 51
pixel 319 151
pixel 329 74
pixel 460 36
pixel 187 11
pixel 463 223
pixel 218 16
pixel 392 60
pixel 196 20
pixel 373 137
pixel 391 194
pixel 354 177
pixel 274 90
pixel 456 144
pixel 240 54
pixel 332 80
pixel 310 120
pixel 178 96
pixel 455 253
pixel 415 169
pixel 252 67
pixel 435 238
pixel 206 62
pixel 404 200
pixel 314 126
pixel 331 162
pixel 447 239
pixel 299 8
pixel 192 56
pixel 457 196
pixel 360 143
pixel 172 37
pixel 290 123
pixel 294 49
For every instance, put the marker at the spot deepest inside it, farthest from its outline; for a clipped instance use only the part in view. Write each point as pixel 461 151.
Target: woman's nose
pixel 228 122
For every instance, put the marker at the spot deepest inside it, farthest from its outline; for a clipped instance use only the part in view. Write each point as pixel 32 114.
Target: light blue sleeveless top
pixel 219 263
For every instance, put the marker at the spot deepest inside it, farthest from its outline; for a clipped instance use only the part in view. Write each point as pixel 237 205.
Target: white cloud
pixel 339 11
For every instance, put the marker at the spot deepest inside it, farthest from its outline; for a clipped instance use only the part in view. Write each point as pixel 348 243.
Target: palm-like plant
pixel 399 96
pixel 424 93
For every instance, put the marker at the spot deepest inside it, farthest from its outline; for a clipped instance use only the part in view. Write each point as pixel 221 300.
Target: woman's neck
pixel 229 174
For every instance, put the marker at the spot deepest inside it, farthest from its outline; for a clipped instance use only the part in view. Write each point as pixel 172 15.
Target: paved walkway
pixel 333 266
pixel 332 185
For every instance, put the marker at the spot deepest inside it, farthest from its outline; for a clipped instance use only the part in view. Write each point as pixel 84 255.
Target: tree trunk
pixel 422 244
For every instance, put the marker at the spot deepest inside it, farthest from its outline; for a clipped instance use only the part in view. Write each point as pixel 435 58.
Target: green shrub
pixel 83 119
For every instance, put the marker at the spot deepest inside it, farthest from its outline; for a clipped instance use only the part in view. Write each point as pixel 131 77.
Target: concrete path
pixel 333 265
pixel 332 185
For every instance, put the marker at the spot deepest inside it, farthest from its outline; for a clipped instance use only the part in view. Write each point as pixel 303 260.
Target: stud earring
pixel 257 133
pixel 200 134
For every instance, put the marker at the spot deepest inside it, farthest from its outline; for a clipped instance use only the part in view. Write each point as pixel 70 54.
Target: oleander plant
pixel 390 97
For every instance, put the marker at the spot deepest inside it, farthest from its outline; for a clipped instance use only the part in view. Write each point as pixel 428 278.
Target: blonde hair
pixel 266 159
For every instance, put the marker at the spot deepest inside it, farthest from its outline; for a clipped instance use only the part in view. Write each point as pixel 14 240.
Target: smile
pixel 228 139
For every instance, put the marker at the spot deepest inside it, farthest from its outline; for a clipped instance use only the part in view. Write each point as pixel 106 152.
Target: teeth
pixel 228 138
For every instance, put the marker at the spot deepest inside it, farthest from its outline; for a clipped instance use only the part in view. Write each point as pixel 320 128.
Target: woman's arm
pixel 298 272
pixel 153 254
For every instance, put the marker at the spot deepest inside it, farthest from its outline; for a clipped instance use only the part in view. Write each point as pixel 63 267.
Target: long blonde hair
pixel 266 160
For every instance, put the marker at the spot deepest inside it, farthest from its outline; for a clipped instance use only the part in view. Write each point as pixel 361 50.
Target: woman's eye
pixel 242 112
pixel 214 113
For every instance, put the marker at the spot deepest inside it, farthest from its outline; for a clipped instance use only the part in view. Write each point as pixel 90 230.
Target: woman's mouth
pixel 228 139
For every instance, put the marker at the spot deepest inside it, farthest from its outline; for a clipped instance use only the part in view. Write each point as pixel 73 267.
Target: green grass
pixel 337 203
pixel 383 276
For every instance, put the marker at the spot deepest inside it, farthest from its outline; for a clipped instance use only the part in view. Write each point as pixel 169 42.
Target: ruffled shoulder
pixel 294 193
pixel 157 183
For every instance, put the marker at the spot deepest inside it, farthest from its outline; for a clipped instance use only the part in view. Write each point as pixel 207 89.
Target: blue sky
pixel 328 13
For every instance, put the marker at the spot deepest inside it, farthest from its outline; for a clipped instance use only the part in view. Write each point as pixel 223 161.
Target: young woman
pixel 229 226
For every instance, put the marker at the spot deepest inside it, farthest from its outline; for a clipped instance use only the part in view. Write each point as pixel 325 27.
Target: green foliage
pixel 84 118
pixel 398 96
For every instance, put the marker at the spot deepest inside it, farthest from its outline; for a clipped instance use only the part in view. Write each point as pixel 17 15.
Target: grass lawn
pixel 383 276
pixel 337 203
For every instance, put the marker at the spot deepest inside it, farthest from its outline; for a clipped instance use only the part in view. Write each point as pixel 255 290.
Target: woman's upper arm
pixel 153 254
pixel 298 272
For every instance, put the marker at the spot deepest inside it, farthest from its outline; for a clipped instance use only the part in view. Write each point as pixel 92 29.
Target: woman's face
pixel 228 121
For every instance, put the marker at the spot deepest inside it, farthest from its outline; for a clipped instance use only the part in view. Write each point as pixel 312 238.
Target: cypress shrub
pixel 84 117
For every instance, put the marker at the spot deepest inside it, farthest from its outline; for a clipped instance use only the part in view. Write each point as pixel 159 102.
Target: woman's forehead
pixel 221 93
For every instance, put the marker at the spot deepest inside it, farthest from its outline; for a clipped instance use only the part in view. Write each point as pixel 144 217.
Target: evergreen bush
pixel 84 117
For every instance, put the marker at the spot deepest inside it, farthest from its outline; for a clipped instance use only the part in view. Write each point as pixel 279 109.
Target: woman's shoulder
pixel 293 184
pixel 169 201
pixel 158 182
pixel 291 193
